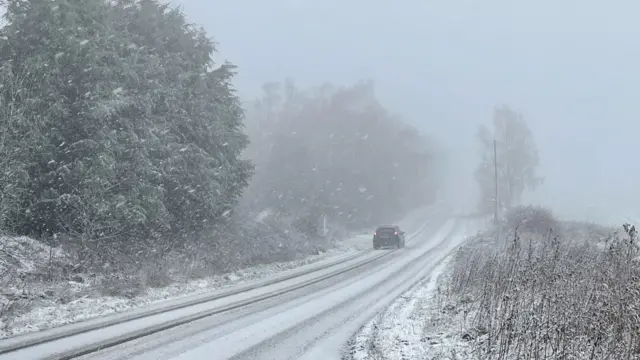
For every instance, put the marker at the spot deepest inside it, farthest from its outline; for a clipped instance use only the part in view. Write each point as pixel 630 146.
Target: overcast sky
pixel 571 67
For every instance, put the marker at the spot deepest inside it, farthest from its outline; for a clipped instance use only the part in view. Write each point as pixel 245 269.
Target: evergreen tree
pixel 139 136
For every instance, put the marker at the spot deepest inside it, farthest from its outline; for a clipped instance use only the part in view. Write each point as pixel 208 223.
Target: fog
pixel 134 157
pixel 569 67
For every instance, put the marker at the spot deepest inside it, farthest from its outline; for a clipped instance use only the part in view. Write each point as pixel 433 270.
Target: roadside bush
pixel 241 242
pixel 121 286
pixel 534 219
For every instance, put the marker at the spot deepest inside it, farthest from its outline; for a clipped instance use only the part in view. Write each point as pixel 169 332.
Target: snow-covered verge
pixel 411 328
pixel 551 290
pixel 539 288
pixel 36 305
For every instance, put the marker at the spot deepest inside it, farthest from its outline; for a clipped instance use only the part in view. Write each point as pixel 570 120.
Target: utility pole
pixel 495 174
pixel 324 225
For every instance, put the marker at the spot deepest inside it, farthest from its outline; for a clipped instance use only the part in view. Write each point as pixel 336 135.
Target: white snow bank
pixel 21 255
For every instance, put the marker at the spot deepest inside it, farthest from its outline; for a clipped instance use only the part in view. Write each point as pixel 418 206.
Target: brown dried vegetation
pixel 534 291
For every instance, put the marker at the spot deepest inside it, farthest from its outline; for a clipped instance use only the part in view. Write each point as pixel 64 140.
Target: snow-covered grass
pixel 569 293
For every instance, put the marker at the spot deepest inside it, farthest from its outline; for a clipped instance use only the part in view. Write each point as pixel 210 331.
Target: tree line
pixel 336 152
pixel 122 139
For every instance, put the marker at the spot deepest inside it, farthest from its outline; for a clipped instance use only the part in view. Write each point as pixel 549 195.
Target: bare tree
pixel 517 159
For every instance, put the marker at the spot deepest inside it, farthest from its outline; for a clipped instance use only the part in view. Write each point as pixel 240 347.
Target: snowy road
pixel 311 322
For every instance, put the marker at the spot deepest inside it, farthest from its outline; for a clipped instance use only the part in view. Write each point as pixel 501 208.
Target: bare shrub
pixel 534 219
pixel 242 242
pixel 156 276
pixel 538 296
pixel 118 285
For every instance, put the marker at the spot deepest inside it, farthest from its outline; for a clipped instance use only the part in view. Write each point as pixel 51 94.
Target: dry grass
pixel 537 292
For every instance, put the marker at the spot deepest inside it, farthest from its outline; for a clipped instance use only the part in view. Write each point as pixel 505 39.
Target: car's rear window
pixel 386 230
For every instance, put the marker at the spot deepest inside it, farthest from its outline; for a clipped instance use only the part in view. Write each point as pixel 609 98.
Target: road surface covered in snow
pixel 313 322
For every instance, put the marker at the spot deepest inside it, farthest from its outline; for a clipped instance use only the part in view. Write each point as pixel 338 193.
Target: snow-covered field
pixel 37 307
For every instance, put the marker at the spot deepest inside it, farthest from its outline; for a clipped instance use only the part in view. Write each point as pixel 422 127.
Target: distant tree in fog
pixel 335 151
pixel 517 160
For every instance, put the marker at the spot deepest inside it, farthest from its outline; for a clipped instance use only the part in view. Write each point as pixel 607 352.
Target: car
pixel 388 235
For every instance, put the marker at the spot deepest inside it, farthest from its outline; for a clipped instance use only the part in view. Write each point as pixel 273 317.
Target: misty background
pixel 570 67
pixel 130 163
